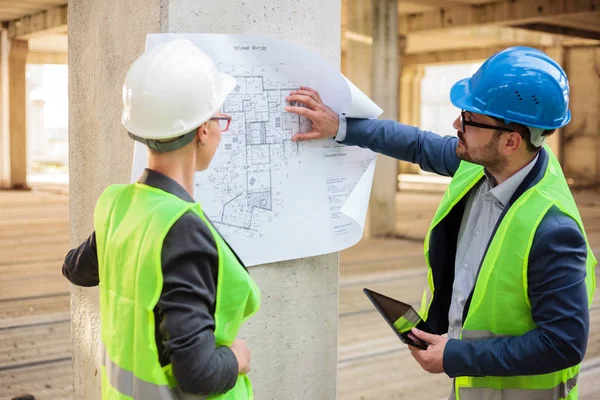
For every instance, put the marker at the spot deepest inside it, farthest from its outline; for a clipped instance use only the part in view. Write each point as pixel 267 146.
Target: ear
pixel 512 143
pixel 202 132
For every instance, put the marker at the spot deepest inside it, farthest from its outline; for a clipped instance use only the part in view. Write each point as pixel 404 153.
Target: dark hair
pixel 525 133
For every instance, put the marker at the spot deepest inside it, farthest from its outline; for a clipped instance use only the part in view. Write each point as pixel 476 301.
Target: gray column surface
pixel 293 338
pixel 4 110
pixel 385 92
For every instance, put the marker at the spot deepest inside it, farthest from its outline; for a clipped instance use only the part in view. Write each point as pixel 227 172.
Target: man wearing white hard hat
pixel 173 294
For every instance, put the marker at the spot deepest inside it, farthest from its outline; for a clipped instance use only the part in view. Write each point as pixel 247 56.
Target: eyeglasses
pixel 224 121
pixel 464 123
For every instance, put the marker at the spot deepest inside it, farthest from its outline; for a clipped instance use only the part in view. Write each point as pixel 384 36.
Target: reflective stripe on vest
pixel 129 385
pixel 426 298
pixel 479 335
pixel 561 391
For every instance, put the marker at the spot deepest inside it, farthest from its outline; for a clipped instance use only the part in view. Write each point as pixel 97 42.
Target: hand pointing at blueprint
pixel 324 120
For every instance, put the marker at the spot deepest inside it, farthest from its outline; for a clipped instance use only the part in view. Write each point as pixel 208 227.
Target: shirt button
pixel 451 329
pixel 477 232
pixel 465 265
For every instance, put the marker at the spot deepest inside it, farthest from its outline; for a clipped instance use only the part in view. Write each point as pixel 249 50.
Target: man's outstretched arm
pixel 432 152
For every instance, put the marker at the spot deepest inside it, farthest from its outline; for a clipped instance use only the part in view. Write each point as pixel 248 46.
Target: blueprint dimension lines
pixel 255 152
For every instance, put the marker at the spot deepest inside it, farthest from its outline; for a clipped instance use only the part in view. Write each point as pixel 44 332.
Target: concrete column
pixel 581 137
pixel 343 40
pixel 357 48
pixel 4 112
pixel 384 91
pixel 17 61
pixel 293 338
pixel 410 105
pixel 357 43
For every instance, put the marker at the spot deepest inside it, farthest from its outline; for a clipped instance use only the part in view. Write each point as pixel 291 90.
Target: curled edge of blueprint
pixel 357 203
pixel 361 106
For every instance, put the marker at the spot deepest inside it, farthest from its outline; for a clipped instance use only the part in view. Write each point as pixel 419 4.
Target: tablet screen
pixel 401 315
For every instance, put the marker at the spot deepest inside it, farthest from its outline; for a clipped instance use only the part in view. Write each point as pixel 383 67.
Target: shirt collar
pixel 504 191
pixel 163 182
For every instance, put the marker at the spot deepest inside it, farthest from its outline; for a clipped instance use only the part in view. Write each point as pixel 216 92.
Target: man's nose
pixel 457 124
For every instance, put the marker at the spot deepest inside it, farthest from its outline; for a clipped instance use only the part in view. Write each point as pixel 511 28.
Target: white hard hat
pixel 171 90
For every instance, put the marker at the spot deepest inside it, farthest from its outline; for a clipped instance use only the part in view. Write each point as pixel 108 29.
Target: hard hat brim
pixel 462 98
pixel 229 83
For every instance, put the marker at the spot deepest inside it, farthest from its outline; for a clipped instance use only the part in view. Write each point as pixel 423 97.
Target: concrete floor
pixel 35 343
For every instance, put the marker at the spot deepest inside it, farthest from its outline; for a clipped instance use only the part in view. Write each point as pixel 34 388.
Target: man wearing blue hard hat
pixel 511 274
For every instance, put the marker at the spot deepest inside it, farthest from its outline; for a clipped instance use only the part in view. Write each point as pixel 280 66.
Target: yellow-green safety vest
pixel 131 222
pixel 500 304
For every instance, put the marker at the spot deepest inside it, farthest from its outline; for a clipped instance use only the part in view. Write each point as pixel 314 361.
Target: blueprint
pixel 273 199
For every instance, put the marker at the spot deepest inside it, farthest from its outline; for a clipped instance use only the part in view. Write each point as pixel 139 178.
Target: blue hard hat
pixel 519 84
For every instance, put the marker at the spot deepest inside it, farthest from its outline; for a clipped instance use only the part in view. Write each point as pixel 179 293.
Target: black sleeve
pixel 186 307
pixel 80 266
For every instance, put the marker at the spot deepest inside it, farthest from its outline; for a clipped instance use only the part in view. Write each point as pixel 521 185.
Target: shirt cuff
pixel 341 133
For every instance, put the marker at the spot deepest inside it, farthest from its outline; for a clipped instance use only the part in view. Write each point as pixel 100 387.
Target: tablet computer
pixel 401 317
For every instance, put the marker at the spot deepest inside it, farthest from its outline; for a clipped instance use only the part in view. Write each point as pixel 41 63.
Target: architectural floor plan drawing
pixel 255 152
pixel 273 199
